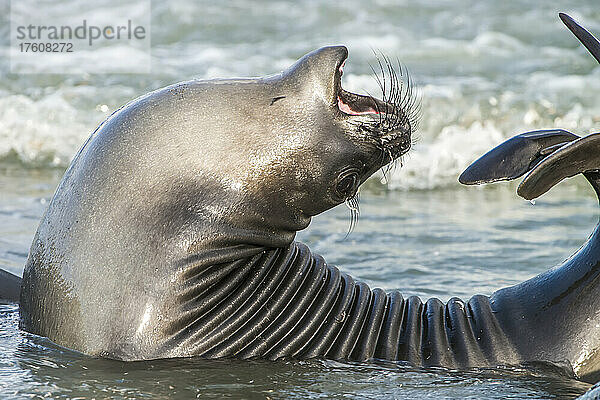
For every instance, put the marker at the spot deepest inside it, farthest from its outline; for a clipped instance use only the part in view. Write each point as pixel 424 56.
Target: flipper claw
pixel 586 38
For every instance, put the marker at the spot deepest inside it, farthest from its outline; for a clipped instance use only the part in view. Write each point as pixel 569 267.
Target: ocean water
pixel 485 70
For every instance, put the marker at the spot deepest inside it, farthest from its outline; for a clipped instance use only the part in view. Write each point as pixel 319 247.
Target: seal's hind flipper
pixel 579 156
pixel 515 157
pixel 549 156
pixel 10 287
pixel 586 38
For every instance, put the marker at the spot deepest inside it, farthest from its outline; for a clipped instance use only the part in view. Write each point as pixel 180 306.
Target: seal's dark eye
pixel 347 184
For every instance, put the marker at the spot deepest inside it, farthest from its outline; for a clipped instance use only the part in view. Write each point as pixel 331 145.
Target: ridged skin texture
pixel 289 303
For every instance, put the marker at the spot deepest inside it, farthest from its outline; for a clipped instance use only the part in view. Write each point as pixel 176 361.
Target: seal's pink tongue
pixel 348 110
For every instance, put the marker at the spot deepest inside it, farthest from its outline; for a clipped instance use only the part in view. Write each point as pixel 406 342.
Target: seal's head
pixel 322 141
pixel 355 135
pixel 254 159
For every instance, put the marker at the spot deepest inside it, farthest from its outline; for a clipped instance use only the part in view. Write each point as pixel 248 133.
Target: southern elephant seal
pixel 171 235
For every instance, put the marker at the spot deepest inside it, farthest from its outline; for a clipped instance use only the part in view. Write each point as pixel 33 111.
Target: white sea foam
pixel 44 132
pixel 438 163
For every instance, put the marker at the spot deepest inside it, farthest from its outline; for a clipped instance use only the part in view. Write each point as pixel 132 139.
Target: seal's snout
pixel 387 123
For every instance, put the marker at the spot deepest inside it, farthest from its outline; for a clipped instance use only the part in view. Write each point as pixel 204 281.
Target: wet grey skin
pixel 172 235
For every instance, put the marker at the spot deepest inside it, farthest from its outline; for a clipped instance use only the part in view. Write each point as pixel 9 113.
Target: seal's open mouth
pixel 356 104
pixel 391 121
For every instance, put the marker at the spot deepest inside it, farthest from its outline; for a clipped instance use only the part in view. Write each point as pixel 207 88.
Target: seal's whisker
pixel 384 172
pixel 397 114
pixel 353 205
pixel 389 168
